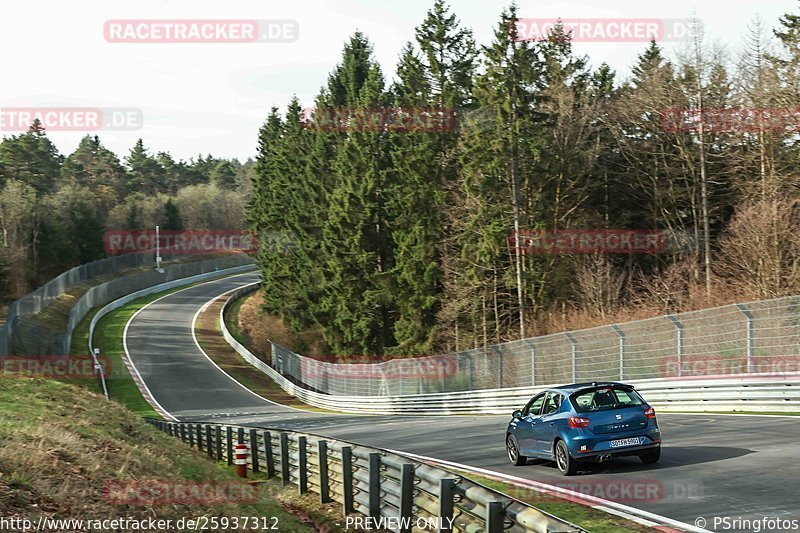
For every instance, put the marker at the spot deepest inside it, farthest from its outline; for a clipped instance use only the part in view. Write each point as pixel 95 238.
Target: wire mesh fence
pixel 30 331
pixel 739 339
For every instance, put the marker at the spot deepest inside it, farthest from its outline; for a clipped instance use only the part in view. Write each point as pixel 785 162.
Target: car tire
pixel 512 448
pixel 651 457
pixel 566 464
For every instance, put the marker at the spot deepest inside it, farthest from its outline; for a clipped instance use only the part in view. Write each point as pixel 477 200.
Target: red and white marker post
pixel 240 453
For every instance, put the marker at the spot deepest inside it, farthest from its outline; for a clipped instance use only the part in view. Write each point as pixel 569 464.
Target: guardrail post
pixel 750 339
pixel 171 427
pixel 199 429
pixel 268 454
pixel 284 440
pixel 254 449
pixel 680 340
pixel 406 496
pixel 209 449
pixel 229 444
pixel 191 436
pixel 239 435
pixel 347 479
pixel 183 432
pixel 302 463
pixel 324 489
pixel 494 517
pixel 621 334
pixel 374 485
pixel 574 344
pixel 218 434
pixel 446 499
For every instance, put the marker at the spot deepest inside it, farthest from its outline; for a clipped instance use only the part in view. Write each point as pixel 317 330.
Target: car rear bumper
pixel 621 452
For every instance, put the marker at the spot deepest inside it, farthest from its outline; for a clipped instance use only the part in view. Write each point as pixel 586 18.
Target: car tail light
pixel 578 422
pixel 650 413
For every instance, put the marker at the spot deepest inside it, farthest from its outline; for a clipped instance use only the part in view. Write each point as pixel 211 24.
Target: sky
pixel 201 98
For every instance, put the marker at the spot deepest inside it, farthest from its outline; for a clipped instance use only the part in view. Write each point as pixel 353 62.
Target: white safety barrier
pixel 743 393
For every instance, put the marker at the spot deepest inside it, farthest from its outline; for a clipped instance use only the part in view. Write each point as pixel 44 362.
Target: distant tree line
pixel 55 209
pixel 399 240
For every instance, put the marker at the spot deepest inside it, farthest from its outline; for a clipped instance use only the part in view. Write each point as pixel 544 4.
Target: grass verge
pixel 209 335
pixel 61 446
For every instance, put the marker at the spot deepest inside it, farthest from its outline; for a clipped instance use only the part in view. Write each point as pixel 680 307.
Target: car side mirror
pixel 517 414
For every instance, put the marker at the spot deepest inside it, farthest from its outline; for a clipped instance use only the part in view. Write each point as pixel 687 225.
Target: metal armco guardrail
pixel 765 392
pixel 369 481
pixel 24 335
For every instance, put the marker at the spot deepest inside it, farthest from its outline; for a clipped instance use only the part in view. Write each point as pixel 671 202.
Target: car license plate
pixel 625 442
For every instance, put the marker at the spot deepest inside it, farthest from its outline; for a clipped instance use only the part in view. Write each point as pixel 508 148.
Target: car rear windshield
pixel 604 398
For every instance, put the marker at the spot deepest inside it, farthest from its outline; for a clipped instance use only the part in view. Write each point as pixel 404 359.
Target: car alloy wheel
pixel 513 452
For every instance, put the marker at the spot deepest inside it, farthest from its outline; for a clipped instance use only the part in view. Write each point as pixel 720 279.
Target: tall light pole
pixel 158 251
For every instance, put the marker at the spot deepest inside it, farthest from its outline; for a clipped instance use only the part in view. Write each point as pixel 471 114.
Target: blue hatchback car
pixel 584 422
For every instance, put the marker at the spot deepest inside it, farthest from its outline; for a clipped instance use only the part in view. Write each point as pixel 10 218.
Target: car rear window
pixel 604 398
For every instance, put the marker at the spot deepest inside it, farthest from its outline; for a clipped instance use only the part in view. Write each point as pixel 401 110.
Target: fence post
pixel 324 489
pixel 347 479
pixel 229 443
pixel 183 432
pixel 302 463
pixel 285 479
pixel 750 340
pixel 191 436
pixel 621 351
pixel 494 517
pixel 446 498
pixel 500 363
pixel 254 449
pixel 680 341
pixel 209 449
pixel 268 454
pixel 533 362
pixel 471 373
pixel 374 485
pixel 239 435
pixel 406 496
pixel 218 434
pixel 574 356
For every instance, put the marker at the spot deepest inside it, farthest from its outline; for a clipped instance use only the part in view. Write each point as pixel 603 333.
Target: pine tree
pixel 145 174
pixel 30 158
pixel 423 167
pixel 93 165
pixel 355 236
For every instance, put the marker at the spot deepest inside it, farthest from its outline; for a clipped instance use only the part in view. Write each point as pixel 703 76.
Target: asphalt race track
pixel 711 465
